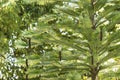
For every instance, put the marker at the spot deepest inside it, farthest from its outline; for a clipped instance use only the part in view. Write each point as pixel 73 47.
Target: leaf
pixel 70 12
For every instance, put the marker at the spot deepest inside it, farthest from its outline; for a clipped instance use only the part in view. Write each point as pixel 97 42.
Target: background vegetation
pixel 59 40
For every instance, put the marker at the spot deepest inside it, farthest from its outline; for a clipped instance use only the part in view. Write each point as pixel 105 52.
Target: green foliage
pixel 61 40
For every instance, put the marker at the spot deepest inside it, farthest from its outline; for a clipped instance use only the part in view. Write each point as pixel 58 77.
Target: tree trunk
pixel 93 77
pixel 94 73
pixel 26 76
